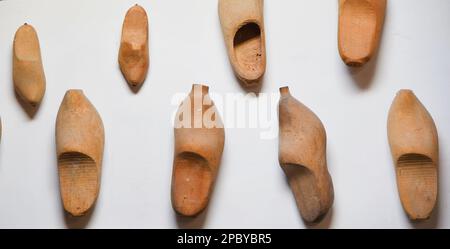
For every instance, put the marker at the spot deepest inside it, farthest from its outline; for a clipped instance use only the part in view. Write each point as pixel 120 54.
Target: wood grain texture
pixel 360 26
pixel 244 34
pixel 79 146
pixel 413 139
pixel 28 71
pixel 198 152
pixel 134 51
pixel 302 156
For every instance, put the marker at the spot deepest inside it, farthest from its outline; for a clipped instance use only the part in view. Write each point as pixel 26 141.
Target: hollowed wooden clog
pixel 79 147
pixel 302 156
pixel 134 52
pixel 198 150
pixel 28 72
pixel 360 26
pixel 414 145
pixel 243 30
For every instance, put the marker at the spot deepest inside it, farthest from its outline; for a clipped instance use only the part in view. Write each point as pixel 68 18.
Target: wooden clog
pixel 243 30
pixel 199 142
pixel 28 72
pixel 360 26
pixel 414 145
pixel 302 156
pixel 79 147
pixel 133 52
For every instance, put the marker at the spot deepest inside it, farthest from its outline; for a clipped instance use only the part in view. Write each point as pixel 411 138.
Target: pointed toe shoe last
pixel 134 51
pixel 28 71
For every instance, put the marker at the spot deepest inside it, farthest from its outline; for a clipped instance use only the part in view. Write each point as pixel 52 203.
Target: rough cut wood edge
pixel 244 34
pixel 198 152
pixel 28 71
pixel 360 27
pixel 134 50
pixel 79 146
pixel 302 156
pixel 413 140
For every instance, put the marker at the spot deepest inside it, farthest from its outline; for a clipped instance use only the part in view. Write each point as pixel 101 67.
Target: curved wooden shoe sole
pixel 414 145
pixel 360 25
pixel 79 144
pixel 198 151
pixel 28 71
pixel 133 53
pixel 243 28
pixel 302 156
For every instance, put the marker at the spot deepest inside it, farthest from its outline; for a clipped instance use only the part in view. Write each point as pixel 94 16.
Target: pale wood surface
pixel 28 71
pixel 360 26
pixel 79 147
pixel 302 156
pixel 414 145
pixel 198 152
pixel 134 51
pixel 244 34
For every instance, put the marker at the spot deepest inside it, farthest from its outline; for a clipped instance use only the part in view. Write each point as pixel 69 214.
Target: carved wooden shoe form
pixel 243 29
pixel 133 52
pixel 360 26
pixel 414 145
pixel 199 142
pixel 79 146
pixel 28 72
pixel 302 156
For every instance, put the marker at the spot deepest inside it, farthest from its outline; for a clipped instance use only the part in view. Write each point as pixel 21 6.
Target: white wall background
pixel 80 41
